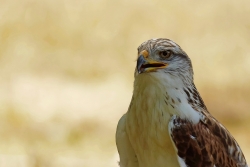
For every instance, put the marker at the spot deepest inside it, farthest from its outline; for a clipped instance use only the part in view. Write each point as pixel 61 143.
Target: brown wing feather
pixel 205 144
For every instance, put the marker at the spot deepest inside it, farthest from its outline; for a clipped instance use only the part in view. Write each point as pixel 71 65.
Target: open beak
pixel 144 64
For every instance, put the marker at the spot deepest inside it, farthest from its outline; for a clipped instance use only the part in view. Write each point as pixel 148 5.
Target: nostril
pixel 144 53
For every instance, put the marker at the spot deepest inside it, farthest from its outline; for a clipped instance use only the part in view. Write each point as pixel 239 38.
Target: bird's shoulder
pixel 206 143
pixel 126 152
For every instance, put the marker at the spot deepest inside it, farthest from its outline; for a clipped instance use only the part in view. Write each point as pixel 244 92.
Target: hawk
pixel 167 123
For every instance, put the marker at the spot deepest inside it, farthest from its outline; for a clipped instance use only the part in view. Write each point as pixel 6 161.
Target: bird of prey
pixel 167 123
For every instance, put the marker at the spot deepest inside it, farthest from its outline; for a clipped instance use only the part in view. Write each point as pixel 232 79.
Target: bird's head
pixel 163 57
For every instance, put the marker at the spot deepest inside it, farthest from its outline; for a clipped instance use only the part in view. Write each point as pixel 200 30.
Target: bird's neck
pixel 167 96
pixel 147 123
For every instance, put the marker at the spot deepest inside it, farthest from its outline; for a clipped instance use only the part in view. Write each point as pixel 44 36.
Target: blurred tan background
pixel 66 72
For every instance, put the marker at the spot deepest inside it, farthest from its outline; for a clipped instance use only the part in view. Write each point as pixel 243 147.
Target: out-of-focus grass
pixel 56 142
pixel 66 72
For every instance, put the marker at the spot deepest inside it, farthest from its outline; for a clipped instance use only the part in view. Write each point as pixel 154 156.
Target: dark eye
pixel 165 54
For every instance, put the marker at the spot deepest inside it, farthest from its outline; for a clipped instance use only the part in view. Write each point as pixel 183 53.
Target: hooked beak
pixel 144 64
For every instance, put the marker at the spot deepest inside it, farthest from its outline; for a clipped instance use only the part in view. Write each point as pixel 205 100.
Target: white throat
pixel 165 94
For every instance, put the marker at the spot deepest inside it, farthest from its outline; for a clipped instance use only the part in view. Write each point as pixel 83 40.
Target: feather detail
pixel 205 144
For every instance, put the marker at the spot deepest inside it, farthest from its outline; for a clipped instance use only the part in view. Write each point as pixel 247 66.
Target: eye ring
pixel 165 54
